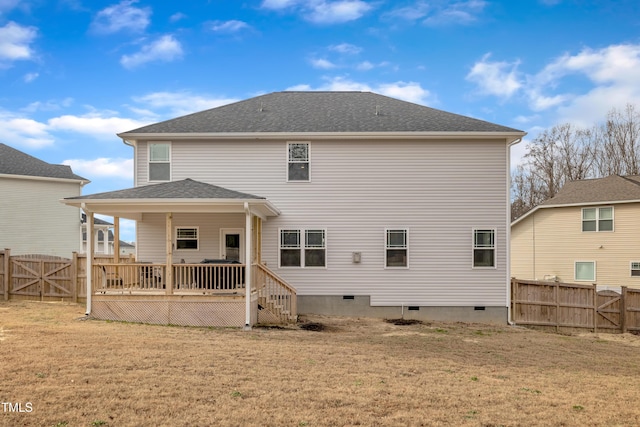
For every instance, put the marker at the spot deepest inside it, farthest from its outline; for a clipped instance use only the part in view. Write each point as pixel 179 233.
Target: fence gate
pixel 41 276
pixel 609 310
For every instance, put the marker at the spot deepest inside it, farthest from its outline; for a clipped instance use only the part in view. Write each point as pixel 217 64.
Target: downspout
pixel 89 253
pixel 134 145
pixel 509 314
pixel 247 266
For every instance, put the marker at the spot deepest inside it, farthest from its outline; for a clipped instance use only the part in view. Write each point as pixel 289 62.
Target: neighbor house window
pixel 298 163
pixel 187 238
pixel 585 271
pixel 484 248
pixel 303 248
pixel 159 161
pixel 635 269
pixel 396 247
pixel 597 219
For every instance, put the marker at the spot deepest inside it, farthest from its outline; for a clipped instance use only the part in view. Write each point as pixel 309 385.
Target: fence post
pixel 595 308
pixel 623 308
pixel 74 276
pixel 7 273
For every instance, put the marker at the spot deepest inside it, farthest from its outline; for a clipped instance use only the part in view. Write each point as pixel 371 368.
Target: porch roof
pixel 184 196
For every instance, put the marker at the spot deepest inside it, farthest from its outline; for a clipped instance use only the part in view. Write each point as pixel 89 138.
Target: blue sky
pixel 73 73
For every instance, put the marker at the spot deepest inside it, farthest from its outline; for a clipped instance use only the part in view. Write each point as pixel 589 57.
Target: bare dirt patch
pixel 356 371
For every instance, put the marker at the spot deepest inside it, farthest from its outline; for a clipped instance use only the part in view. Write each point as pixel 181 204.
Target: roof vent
pixel 377 110
pixel 261 106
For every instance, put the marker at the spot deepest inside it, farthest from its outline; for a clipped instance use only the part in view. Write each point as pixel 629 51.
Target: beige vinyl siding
pixel 560 241
pixel 438 190
pixel 34 221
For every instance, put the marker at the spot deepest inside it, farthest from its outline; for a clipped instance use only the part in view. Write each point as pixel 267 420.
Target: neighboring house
pixel 102 236
pixel 32 219
pixel 366 204
pixel 588 233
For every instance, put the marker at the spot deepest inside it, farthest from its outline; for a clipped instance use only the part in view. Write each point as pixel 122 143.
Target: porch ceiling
pixel 185 196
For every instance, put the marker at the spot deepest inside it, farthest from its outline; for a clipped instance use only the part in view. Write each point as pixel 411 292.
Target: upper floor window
pixel 597 219
pixel 298 161
pixel 396 248
pixel 635 269
pixel 484 248
pixel 159 161
pixel 187 238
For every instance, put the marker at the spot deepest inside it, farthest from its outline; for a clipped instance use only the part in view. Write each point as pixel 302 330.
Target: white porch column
pixel 89 258
pixel 116 239
pixel 169 269
pixel 247 267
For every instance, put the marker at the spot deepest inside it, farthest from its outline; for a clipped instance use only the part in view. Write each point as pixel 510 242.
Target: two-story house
pixel 358 203
pixel 588 233
pixel 32 220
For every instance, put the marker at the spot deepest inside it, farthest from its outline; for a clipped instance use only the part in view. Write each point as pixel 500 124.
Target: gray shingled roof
pixel 613 188
pixel 15 162
pixel 301 112
pixel 184 189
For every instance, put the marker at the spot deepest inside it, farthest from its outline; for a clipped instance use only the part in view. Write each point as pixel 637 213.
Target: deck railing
pixel 205 278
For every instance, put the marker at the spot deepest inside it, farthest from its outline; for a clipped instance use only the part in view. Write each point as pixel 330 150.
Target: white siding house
pixel 376 206
pixel 32 219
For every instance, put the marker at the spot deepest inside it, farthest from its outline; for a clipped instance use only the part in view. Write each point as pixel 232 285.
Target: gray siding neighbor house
pixel 364 204
pixel 32 219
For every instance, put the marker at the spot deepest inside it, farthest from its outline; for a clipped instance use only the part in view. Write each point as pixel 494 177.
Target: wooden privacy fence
pixel 44 277
pixel 570 305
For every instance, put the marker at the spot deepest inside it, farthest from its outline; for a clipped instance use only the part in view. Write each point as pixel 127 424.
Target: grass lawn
pixel 69 372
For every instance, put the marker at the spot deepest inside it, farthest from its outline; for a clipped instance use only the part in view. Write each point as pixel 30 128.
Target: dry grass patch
pixel 352 372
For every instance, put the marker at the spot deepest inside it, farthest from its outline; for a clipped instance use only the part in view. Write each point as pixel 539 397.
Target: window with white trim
pixel 597 219
pixel 635 268
pixel 298 161
pixel 303 248
pixel 187 238
pixel 159 161
pixel 484 248
pixel 585 271
pixel 396 247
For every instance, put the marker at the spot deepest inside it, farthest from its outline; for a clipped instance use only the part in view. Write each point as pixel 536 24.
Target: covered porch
pixel 208 273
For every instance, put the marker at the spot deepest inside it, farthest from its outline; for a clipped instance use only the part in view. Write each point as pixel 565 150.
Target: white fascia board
pixel 573 205
pixel 509 136
pixel 45 178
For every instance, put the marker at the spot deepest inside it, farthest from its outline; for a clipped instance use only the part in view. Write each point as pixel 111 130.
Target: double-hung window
pixel 303 248
pixel 597 219
pixel 159 161
pixel 298 161
pixel 635 269
pixel 484 248
pixel 187 238
pixel 396 248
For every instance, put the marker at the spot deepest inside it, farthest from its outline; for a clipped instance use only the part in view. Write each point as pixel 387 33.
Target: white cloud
pixel 94 125
pixel 495 78
pixel 441 12
pixel 50 105
pixel 103 167
pixel 121 17
pixel 165 49
pixel 346 48
pixel 29 77
pixel 15 42
pixel 24 132
pixel 322 64
pixel 177 17
pixel 180 103
pixel 322 11
pixel 232 26
pixel 408 91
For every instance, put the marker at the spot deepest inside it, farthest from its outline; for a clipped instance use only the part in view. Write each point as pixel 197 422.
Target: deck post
pixel 169 268
pixel 247 267
pixel 90 255
pixel 116 240
pixel 7 273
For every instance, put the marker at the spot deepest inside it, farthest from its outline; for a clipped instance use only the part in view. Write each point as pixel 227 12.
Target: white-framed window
pixel 396 248
pixel 298 163
pixel 159 161
pixel 585 271
pixel 597 219
pixel 187 238
pixel 635 268
pixel 484 248
pixel 303 247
